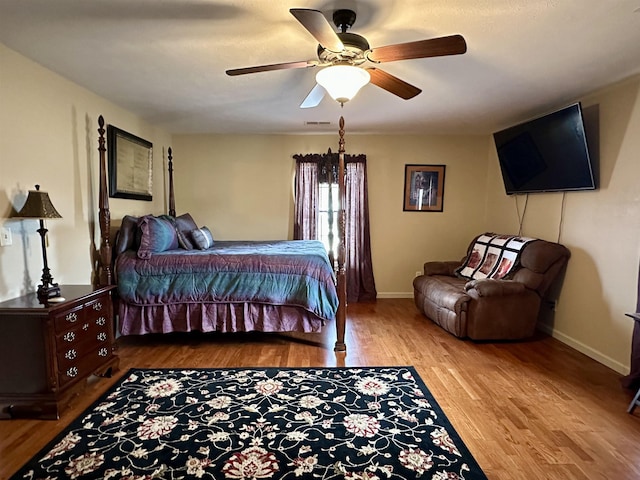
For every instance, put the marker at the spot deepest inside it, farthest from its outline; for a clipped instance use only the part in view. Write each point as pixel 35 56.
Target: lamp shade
pixel 38 205
pixel 343 81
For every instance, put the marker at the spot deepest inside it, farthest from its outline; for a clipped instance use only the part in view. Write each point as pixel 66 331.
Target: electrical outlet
pixel 418 273
pixel 5 237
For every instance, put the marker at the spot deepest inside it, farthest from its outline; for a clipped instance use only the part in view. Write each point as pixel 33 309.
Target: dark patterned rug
pixel 273 423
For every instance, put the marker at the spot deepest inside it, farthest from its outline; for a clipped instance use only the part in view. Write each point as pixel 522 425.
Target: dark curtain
pixel 305 223
pixel 359 268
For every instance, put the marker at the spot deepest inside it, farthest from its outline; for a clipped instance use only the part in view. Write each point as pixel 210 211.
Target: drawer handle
pixel 102 336
pixel 97 306
pixel 101 321
pixel 72 317
pixel 71 354
pixel 103 352
pixel 69 337
pixel 72 372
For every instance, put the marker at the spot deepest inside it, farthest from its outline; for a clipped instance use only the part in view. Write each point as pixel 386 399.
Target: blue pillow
pixel 157 235
pixel 202 238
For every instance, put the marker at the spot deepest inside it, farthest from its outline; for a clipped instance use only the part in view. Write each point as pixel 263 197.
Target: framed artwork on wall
pixel 130 165
pixel 423 188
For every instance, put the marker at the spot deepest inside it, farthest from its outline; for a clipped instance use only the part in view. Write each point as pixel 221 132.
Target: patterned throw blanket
pixel 492 256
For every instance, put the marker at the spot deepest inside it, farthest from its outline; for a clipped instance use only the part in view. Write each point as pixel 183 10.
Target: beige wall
pixel 241 186
pixel 601 228
pixel 243 190
pixel 48 136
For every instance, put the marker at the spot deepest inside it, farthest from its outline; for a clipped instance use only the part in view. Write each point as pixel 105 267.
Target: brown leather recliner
pixel 490 309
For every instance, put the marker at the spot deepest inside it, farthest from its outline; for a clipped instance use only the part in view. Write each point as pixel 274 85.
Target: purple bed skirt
pixel 215 317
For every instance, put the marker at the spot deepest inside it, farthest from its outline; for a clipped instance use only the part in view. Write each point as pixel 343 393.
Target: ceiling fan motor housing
pixel 354 45
pixel 353 54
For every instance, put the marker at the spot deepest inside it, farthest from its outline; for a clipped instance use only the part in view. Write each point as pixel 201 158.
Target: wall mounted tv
pixel 547 154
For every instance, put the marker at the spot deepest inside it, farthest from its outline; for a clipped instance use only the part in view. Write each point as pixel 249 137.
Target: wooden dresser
pixel 45 350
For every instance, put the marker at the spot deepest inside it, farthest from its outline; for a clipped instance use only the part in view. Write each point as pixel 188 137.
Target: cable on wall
pixel 561 216
pixel 524 211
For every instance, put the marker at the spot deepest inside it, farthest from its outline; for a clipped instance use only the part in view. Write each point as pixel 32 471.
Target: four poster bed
pixel 166 286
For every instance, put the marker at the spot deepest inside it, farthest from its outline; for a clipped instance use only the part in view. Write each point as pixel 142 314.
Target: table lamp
pixel 38 205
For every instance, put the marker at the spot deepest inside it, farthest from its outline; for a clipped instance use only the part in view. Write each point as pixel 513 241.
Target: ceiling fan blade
pixel 433 47
pixel 318 26
pixel 314 97
pixel 273 66
pixel 392 84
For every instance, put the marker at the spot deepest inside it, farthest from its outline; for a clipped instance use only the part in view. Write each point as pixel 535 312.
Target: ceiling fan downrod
pixel 344 19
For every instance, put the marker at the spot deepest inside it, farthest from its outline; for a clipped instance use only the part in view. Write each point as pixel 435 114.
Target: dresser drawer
pixel 84 366
pixel 79 333
pixel 69 319
pixel 84 342
pixel 99 310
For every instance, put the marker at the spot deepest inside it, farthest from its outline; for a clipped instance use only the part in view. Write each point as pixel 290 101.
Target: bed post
pixel 104 257
pixel 341 316
pixel 172 198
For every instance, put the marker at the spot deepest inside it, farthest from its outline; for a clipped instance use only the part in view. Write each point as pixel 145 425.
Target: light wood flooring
pixel 526 410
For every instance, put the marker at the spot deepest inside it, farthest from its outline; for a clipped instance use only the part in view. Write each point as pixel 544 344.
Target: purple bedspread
pixel 293 273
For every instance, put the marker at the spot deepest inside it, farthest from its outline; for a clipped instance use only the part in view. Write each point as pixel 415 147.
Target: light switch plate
pixel 5 237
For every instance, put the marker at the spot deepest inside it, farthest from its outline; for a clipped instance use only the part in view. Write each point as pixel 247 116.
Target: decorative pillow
pixel 158 235
pixel 184 225
pixel 202 238
pixel 183 240
pixel 127 235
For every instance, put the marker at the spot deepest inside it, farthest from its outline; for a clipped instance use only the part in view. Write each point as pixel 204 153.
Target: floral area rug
pixel 273 423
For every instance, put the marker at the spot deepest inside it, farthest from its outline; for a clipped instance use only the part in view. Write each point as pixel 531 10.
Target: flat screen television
pixel 547 154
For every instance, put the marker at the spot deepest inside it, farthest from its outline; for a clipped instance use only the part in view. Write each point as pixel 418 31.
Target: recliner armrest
pixel 447 268
pixel 489 287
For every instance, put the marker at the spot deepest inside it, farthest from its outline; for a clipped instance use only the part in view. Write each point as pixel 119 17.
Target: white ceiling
pixel 165 60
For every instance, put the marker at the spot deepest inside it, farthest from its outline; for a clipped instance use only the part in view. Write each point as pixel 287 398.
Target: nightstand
pixel 45 350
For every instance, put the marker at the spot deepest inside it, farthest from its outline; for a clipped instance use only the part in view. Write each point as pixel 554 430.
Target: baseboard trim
pixel 395 295
pixel 588 351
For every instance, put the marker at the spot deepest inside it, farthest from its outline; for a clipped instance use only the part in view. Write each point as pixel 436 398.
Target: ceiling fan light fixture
pixel 342 82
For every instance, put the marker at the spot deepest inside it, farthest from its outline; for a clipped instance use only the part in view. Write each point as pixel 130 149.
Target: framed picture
pixel 423 188
pixel 130 165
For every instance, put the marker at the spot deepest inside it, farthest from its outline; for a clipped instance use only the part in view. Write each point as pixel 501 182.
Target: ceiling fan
pixel 352 50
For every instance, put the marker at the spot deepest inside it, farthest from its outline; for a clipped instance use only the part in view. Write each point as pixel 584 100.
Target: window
pixel 328 206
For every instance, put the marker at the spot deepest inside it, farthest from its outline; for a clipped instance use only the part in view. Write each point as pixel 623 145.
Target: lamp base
pixel 56 300
pixel 48 292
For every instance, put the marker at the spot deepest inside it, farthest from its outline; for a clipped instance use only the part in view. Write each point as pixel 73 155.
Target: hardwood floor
pixel 526 410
